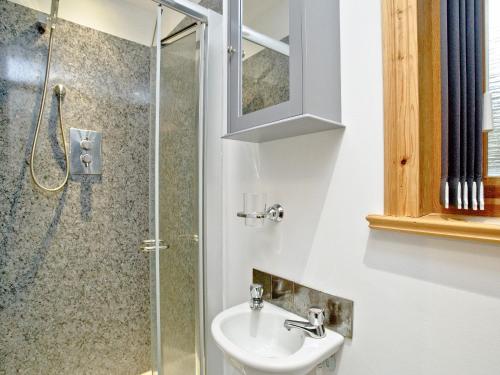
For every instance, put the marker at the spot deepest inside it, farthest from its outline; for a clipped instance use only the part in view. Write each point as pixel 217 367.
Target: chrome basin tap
pixel 256 292
pixel 314 327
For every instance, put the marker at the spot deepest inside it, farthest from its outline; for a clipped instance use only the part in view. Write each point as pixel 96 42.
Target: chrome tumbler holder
pixel 274 213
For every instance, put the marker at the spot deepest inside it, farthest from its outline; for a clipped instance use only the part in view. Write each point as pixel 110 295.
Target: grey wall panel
pixel 321 61
pixel 74 291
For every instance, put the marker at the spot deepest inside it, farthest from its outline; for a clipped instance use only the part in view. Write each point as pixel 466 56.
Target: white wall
pixel 213 186
pixel 422 305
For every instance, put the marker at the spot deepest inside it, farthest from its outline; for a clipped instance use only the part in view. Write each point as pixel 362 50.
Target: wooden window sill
pixel 450 226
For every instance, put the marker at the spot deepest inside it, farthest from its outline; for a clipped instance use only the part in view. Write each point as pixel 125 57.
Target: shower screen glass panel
pixel 265 68
pixel 177 337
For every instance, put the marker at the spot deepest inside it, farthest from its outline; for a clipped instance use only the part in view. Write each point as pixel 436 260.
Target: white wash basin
pixel 257 343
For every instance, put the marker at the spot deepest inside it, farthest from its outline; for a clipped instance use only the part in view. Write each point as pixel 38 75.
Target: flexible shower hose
pixel 59 95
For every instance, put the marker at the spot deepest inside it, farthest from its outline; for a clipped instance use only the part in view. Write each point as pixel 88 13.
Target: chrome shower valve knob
pixel 85 144
pixel 85 151
pixel 86 159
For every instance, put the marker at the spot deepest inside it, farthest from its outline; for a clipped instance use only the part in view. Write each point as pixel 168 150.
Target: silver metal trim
pixel 150 249
pixel 274 213
pixel 187 8
pixel 201 43
pixel 263 40
pixel 252 215
pixel 151 241
pixel 159 362
pixel 179 35
pixel 237 121
pixel 150 245
pixel 54 10
pixel 199 14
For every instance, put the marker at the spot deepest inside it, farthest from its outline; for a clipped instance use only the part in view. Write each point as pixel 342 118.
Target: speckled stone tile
pixel 298 299
pixel 74 291
pixel 265 80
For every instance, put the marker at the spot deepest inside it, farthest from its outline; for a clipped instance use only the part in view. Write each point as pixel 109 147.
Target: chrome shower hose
pixel 59 91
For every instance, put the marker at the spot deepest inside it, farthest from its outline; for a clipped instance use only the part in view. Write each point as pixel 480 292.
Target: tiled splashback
pixel 298 299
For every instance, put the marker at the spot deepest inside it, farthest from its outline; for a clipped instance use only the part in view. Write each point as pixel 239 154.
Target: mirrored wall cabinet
pixel 284 77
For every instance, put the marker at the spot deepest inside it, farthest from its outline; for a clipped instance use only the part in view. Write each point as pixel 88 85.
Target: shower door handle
pixel 150 245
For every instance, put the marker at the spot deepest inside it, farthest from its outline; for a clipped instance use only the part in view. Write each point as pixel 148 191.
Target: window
pixel 493 85
pixel 412 129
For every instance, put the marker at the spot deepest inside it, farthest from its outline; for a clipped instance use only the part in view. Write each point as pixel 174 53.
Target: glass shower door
pixel 177 262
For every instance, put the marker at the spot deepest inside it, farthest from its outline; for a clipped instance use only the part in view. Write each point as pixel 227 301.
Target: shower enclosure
pixel 105 275
pixel 176 186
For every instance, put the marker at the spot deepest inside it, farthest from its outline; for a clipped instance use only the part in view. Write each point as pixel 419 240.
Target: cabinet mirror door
pixel 265 74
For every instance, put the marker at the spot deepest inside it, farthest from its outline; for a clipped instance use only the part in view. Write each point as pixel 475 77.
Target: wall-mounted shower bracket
pixel 85 152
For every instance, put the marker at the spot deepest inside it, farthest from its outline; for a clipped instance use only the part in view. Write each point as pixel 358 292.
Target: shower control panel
pixel 85 152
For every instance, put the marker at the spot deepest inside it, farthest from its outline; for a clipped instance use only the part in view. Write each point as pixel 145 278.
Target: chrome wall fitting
pixel 84 148
pixel 274 213
pixel 60 91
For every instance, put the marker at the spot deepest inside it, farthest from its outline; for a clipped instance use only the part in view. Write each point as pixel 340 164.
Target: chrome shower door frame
pixel 200 15
pixel 201 55
pixel 186 7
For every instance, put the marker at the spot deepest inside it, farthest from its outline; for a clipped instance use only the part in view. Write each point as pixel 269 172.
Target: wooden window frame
pixel 412 130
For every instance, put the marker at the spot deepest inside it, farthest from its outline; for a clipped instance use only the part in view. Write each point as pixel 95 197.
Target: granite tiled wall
pixel 265 80
pixel 298 299
pixel 74 290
